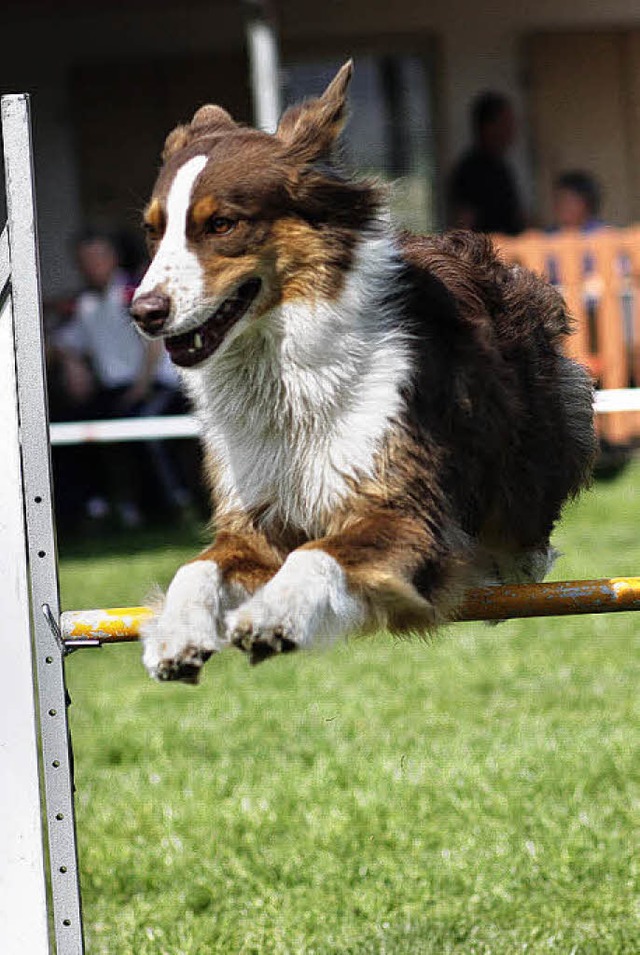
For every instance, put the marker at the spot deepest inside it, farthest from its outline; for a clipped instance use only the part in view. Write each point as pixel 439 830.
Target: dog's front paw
pixel 188 631
pixel 169 659
pixel 252 632
pixel 306 603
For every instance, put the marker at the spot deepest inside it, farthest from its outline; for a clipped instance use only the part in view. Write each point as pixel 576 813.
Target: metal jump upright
pixel 40 908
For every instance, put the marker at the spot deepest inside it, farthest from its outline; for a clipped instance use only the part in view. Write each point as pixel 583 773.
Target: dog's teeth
pixel 197 341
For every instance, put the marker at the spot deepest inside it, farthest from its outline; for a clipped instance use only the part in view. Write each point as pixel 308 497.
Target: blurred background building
pixel 109 79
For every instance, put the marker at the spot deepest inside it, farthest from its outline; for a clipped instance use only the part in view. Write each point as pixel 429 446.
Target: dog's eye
pixel 219 225
pixel 150 230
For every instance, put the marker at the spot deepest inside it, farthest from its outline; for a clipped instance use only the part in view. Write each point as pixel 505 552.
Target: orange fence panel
pixel 598 274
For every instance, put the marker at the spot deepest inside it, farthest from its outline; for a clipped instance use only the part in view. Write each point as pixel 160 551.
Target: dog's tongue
pixel 195 346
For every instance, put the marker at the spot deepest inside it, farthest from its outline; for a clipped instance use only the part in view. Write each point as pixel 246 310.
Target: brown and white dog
pixel 388 419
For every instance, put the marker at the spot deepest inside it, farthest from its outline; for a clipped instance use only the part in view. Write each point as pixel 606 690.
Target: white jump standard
pixel 29 599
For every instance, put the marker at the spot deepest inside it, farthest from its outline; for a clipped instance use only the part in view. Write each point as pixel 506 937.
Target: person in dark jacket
pixel 483 194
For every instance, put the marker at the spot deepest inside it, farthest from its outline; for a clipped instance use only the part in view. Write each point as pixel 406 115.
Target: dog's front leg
pixel 331 587
pixel 308 600
pixel 191 624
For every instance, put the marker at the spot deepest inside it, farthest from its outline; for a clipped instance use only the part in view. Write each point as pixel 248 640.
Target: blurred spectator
pixel 576 205
pixel 576 201
pixel 482 193
pixel 104 360
pixel 107 370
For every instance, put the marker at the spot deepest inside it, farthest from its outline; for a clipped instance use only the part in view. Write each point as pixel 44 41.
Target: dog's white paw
pixel 261 633
pixel 180 639
pixel 306 602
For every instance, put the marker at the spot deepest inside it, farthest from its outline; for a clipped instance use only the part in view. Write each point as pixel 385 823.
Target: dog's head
pixel 241 221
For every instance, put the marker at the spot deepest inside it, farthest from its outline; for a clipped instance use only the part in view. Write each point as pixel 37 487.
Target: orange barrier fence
pixel 599 276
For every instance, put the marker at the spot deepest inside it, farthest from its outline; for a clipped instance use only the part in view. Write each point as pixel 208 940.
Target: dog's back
pixel 510 412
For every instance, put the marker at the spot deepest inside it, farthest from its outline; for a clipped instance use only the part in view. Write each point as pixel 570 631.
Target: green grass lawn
pixel 477 794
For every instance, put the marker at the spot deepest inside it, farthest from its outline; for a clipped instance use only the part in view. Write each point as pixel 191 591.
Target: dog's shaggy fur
pixel 388 419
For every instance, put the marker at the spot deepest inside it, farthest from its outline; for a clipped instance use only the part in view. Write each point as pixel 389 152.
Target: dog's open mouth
pixel 195 346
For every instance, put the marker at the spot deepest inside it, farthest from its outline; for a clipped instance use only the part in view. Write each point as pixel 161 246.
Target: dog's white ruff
pixel 296 404
pixel 308 601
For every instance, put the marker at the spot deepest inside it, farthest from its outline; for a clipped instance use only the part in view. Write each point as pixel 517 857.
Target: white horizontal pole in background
pixel 186 426
pixel 617 399
pixel 124 429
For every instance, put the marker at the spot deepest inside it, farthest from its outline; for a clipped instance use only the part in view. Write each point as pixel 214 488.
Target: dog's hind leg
pixel 190 626
pixel 518 567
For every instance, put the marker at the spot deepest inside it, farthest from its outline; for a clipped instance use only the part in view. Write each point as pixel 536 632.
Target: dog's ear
pixel 176 140
pixel 206 120
pixel 310 129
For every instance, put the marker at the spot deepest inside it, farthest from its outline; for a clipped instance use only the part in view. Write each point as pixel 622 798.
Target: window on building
pixel 389 134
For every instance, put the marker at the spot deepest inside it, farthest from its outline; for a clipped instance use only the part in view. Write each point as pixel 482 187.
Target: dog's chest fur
pixel 294 410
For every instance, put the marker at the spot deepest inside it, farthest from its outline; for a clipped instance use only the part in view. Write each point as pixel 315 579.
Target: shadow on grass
pixel 116 542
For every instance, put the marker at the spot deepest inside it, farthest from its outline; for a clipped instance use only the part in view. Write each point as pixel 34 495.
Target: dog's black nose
pixel 150 312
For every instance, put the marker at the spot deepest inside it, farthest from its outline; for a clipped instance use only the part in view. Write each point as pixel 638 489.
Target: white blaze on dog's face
pixel 176 270
pixel 241 222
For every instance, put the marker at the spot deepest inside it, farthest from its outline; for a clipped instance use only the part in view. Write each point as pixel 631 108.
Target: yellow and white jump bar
pixel 555 599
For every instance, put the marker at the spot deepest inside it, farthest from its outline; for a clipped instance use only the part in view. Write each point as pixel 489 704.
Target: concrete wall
pixel 58 202
pixel 42 43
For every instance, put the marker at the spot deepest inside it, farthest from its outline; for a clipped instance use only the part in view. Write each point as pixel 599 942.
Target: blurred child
pixel 576 202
